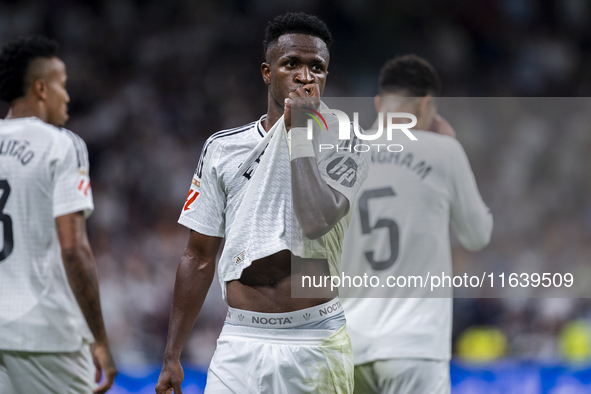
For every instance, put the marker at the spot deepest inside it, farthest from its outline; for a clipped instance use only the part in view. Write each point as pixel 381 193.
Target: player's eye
pixel 291 63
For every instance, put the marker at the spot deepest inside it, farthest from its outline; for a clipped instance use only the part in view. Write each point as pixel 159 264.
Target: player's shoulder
pixel 444 145
pixel 233 135
pixel 70 136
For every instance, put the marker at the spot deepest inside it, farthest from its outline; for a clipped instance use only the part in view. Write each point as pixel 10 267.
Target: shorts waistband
pixel 241 317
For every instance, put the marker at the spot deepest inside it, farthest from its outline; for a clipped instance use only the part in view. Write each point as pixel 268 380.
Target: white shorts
pixel 403 376
pixel 32 372
pixel 250 359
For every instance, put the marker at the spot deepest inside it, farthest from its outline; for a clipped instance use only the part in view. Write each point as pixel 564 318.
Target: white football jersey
pixel 43 175
pixel 400 227
pixel 219 187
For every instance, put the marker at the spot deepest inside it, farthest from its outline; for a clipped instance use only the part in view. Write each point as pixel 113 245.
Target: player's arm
pixel 81 271
pixel 471 219
pixel 317 206
pixel 194 275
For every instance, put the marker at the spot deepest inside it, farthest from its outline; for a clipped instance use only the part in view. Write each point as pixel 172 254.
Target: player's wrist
pixel 171 356
pixel 300 145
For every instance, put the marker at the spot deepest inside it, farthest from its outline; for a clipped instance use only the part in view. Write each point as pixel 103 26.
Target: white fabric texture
pixel 252 360
pixel 51 373
pixel 429 184
pixel 235 159
pixel 265 223
pixel 403 376
pixel 43 174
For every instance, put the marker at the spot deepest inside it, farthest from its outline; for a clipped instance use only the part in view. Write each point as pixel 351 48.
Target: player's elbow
pixel 319 223
pixel 195 264
pixel 316 229
pixel 75 253
pixel 480 237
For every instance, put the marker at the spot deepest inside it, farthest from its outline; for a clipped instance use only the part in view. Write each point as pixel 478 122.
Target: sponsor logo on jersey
pixel 343 170
pixel 239 258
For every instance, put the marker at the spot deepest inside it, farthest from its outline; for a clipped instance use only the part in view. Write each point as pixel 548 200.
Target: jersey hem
pixel 84 207
pixel 200 228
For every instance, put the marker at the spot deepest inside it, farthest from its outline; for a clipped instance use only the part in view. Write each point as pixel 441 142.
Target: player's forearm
pixel 193 279
pixel 317 206
pixel 81 272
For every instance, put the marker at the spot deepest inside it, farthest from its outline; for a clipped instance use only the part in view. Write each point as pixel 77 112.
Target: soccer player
pixel 400 226
pixel 51 325
pixel 271 342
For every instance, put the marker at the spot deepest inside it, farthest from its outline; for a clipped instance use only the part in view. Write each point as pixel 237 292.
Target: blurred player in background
pixel 50 311
pixel 271 342
pixel 403 345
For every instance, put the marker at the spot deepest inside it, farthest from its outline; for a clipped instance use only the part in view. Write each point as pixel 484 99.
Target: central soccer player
pixel 271 342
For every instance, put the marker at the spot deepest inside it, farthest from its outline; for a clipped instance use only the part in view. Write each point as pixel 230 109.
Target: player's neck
pixel 23 109
pixel 274 112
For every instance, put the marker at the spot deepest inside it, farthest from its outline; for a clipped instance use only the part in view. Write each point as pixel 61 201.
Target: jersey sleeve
pixel 204 208
pixel 71 186
pixel 471 219
pixel 345 170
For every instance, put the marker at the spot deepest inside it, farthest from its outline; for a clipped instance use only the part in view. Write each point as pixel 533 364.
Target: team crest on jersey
pixel 343 170
pixel 193 193
pixel 239 258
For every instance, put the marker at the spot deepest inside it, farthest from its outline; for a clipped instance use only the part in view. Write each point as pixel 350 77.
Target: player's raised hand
pixel 304 96
pixel 103 360
pixel 171 377
pixel 442 126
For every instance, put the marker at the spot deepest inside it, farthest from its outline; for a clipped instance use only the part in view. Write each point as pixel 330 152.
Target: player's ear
pixel 377 103
pixel 39 89
pixel 424 104
pixel 266 72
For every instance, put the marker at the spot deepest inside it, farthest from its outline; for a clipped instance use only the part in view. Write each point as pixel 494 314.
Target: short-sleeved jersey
pixel 43 175
pixel 401 223
pixel 217 189
pixel 212 201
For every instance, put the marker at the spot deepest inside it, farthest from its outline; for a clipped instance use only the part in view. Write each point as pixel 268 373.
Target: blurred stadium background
pixel 151 80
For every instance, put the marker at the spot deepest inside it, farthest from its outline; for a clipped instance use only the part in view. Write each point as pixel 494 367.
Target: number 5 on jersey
pixel 391 225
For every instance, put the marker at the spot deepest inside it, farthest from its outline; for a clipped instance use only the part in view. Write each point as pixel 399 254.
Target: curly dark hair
pixel 298 23
pixel 15 60
pixel 410 74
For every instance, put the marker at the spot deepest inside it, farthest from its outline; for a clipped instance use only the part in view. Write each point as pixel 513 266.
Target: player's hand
pixel 442 126
pixel 171 378
pixel 103 360
pixel 304 96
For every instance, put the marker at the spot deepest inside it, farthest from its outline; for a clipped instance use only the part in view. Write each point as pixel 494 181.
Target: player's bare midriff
pixel 265 286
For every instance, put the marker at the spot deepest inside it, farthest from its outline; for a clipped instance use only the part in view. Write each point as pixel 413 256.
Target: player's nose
pixel 305 75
